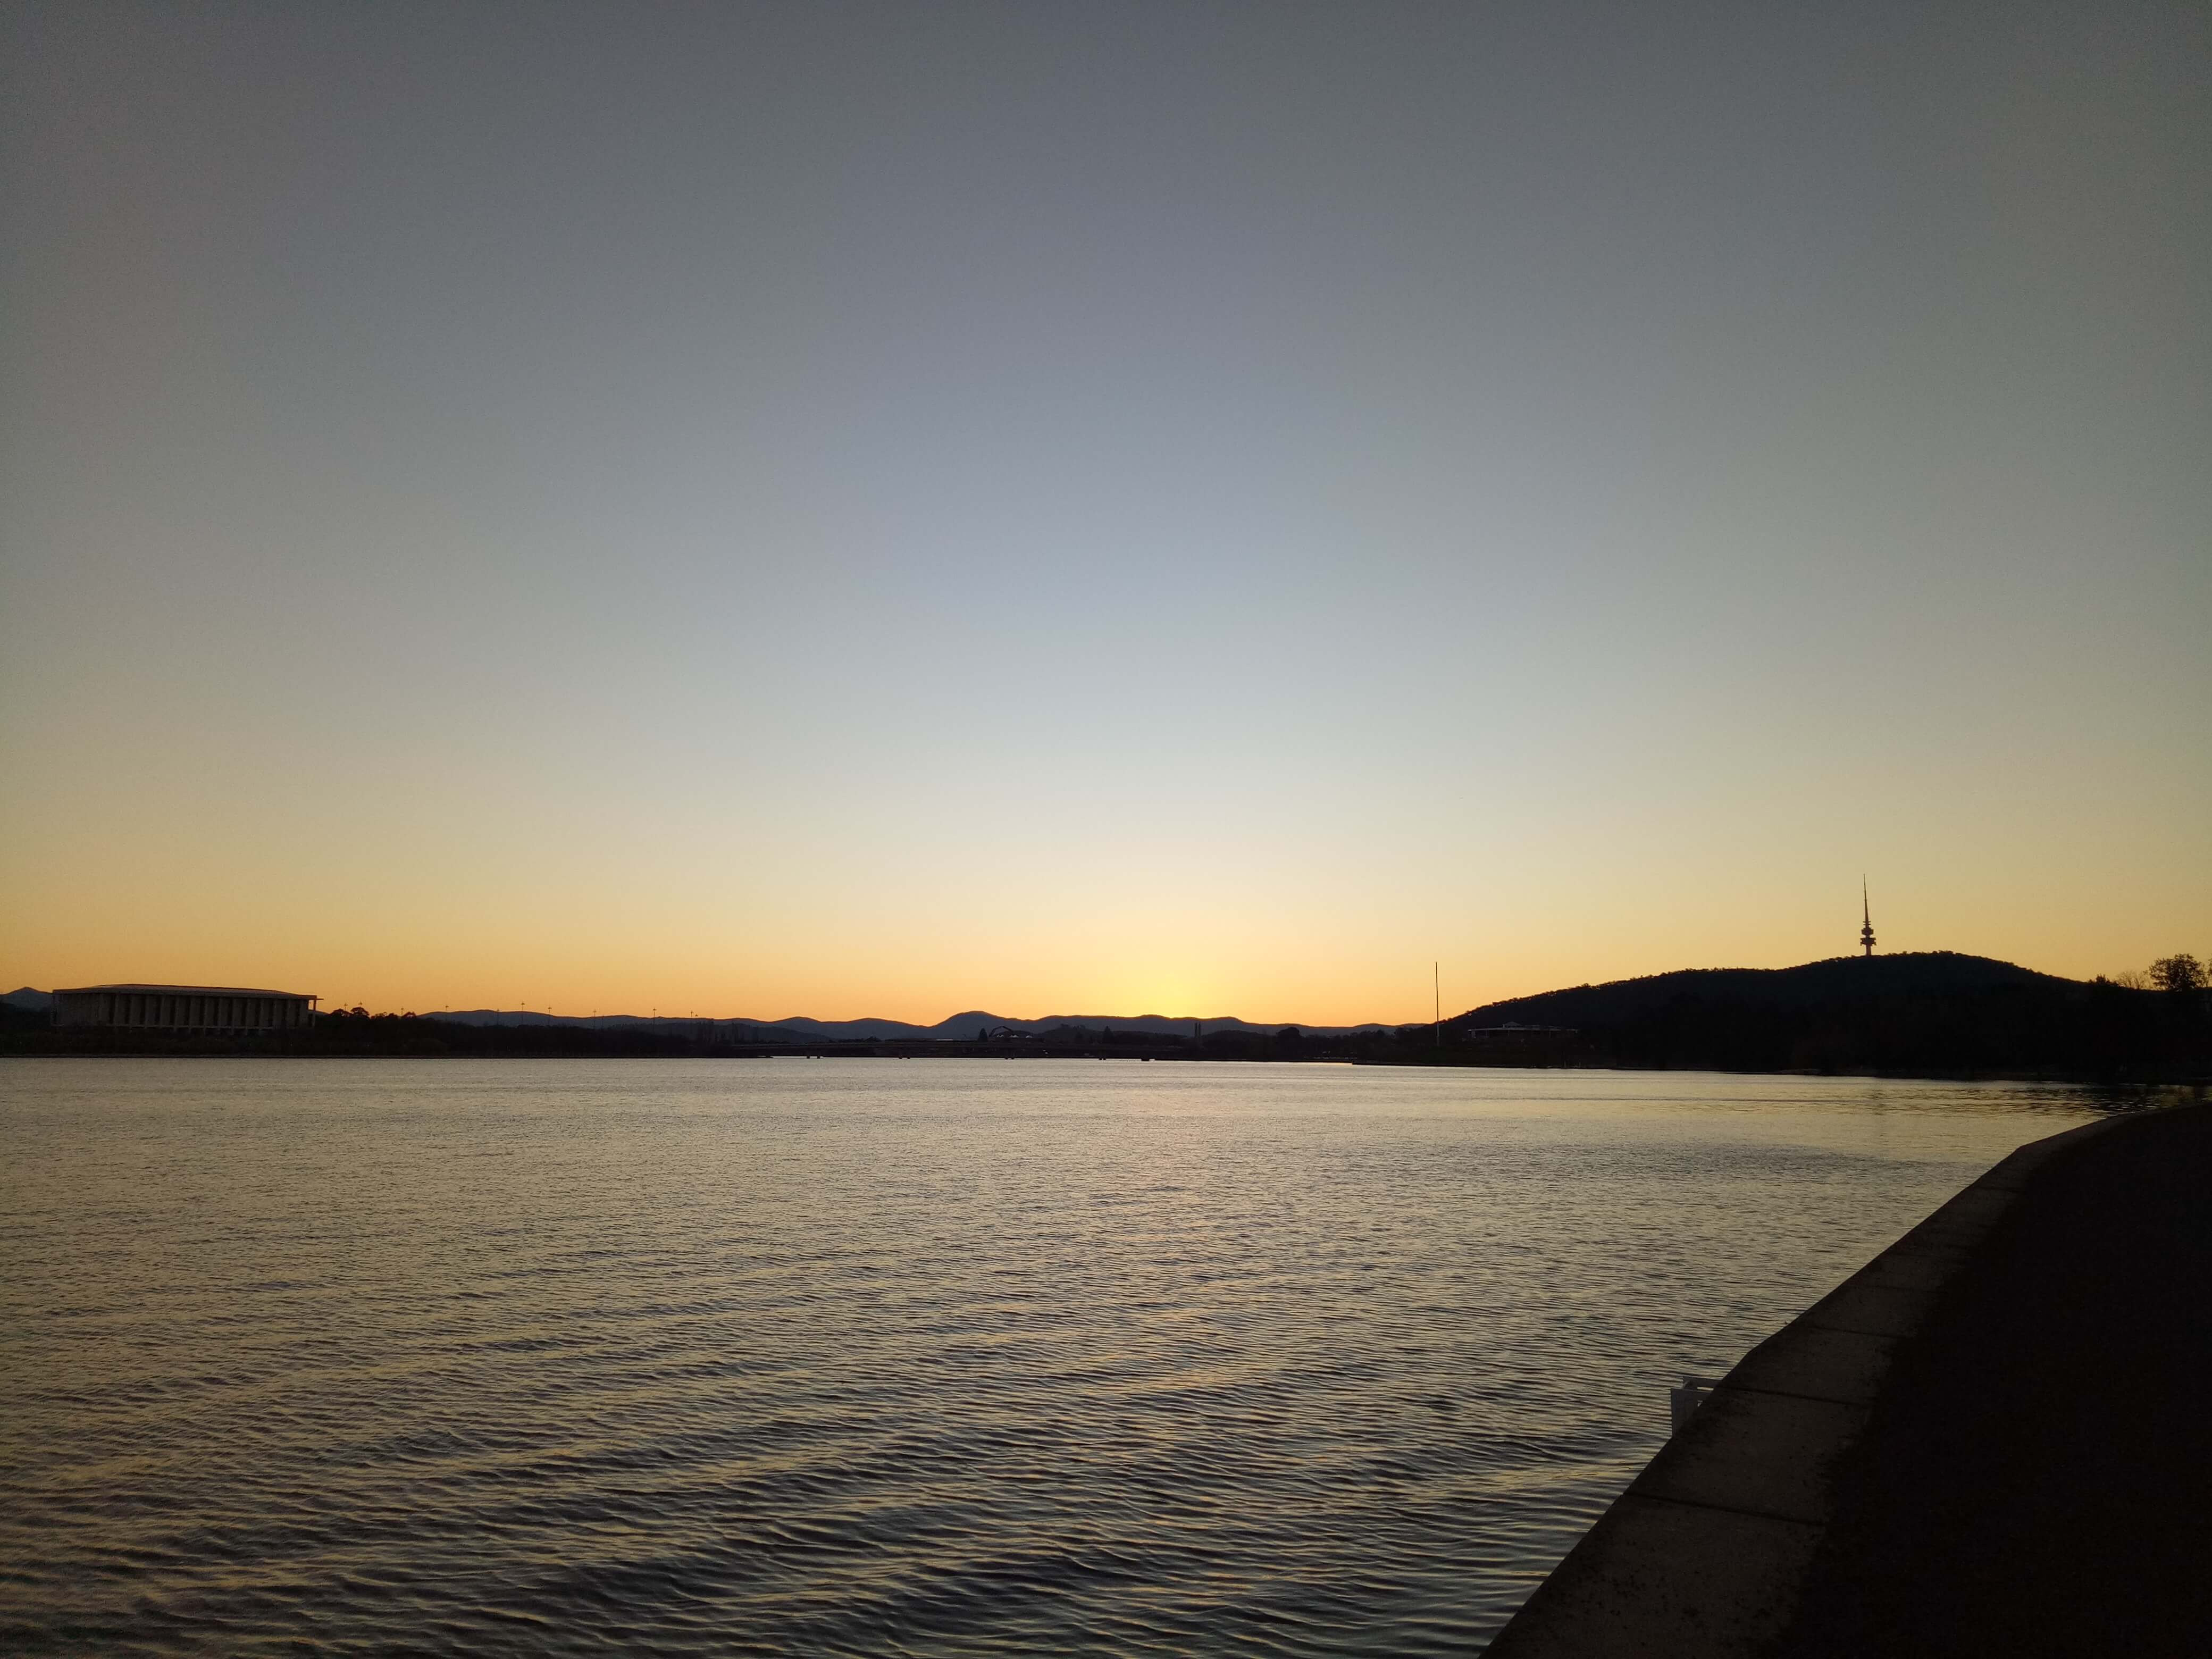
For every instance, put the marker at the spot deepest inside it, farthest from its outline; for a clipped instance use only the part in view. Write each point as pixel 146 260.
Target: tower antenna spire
pixel 1866 920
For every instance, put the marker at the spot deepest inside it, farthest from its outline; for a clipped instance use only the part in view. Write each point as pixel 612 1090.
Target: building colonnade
pixel 184 1008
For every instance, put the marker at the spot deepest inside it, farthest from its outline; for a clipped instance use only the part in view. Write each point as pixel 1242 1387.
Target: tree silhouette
pixel 2179 973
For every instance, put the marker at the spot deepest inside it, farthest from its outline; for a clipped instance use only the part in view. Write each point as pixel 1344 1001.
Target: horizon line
pixel 336 1003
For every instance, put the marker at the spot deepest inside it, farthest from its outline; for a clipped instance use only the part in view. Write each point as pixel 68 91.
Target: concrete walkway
pixel 2037 1475
pixel 1993 1439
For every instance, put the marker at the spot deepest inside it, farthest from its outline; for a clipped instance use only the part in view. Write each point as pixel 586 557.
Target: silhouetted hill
pixel 1919 973
pixel 24 997
pixel 1929 1013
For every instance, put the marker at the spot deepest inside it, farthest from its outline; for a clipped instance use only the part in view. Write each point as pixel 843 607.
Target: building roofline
pixel 186 990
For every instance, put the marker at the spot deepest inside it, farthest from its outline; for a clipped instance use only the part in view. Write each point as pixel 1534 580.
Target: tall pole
pixel 1437 989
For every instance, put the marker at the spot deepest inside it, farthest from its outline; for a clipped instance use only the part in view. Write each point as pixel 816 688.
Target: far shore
pixel 2175 1084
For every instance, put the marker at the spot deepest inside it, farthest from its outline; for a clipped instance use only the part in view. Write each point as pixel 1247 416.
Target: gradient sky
pixel 877 510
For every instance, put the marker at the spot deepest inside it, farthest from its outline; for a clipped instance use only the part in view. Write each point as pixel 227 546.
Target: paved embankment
pixel 1993 1439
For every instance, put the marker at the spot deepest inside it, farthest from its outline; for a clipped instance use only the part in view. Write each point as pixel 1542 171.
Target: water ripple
pixel 676 1358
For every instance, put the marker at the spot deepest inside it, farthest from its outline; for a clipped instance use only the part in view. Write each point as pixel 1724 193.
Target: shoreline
pixel 2193 1084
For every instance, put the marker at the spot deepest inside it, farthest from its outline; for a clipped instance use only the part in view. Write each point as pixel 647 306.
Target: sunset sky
pixel 855 510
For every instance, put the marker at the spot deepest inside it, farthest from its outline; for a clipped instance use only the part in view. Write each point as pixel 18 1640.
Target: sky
pixel 879 510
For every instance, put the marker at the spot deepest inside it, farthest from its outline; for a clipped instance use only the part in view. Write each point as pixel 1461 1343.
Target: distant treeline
pixel 1930 1014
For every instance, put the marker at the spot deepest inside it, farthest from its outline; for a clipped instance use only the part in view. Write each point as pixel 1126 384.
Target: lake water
pixel 930 1357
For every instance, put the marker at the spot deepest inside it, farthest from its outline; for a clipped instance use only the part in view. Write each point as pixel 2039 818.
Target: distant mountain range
pixel 958 1027
pixel 1582 1007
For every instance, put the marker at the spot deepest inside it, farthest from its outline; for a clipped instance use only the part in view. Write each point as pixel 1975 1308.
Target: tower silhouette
pixel 1866 922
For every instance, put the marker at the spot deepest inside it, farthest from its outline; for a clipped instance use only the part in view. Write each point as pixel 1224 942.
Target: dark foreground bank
pixel 2035 1478
pixel 1992 1439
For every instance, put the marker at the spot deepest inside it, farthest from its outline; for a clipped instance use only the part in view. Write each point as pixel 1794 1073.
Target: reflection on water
pixel 858 1356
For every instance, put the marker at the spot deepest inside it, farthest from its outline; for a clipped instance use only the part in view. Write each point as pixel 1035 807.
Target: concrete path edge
pixel 1704 1555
